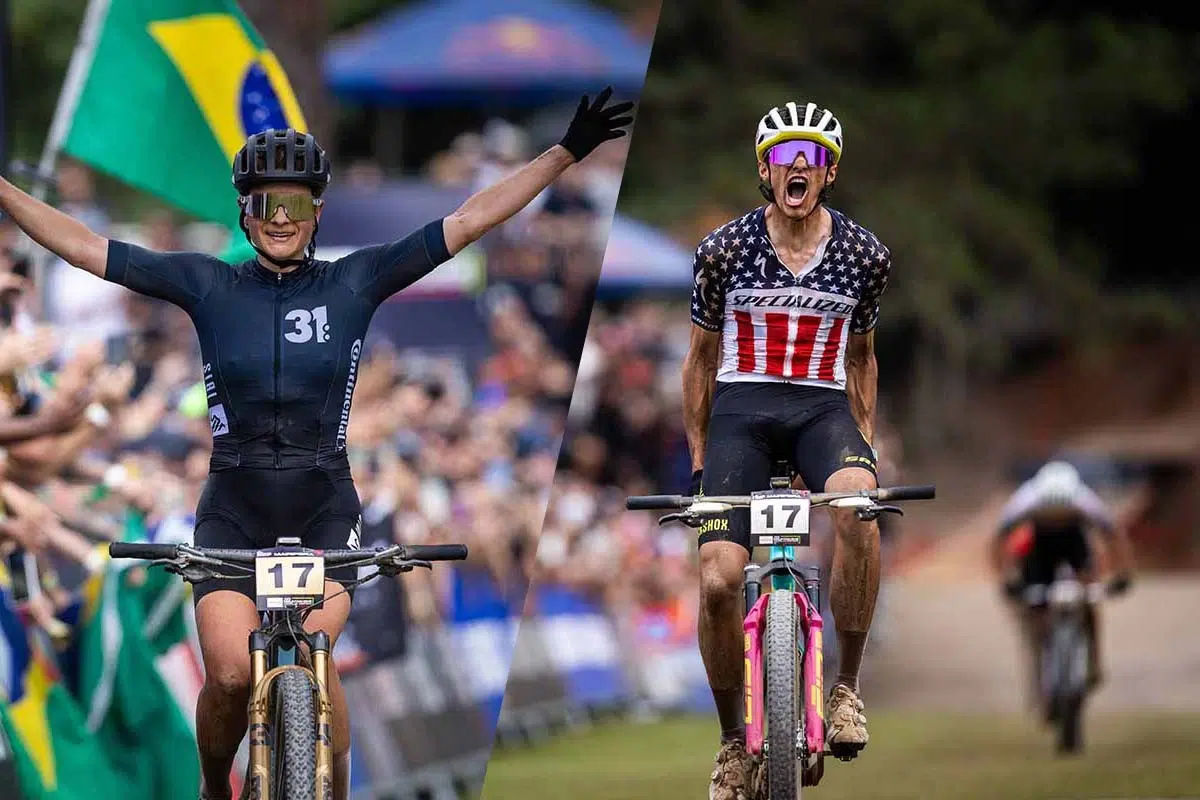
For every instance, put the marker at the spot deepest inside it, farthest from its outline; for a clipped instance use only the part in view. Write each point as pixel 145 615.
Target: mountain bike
pixel 1064 662
pixel 291 716
pixel 783 664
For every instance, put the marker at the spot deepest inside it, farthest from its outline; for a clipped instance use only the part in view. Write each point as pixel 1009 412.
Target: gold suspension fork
pixel 259 781
pixel 320 662
pixel 258 778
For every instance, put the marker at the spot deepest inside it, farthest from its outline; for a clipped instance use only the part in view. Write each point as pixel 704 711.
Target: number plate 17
pixel 779 519
pixel 288 580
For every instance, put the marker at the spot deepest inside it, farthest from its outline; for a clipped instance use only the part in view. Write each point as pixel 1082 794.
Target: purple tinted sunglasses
pixel 785 153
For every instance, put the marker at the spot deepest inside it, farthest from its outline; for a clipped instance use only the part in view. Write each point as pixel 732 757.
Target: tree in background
pixel 996 146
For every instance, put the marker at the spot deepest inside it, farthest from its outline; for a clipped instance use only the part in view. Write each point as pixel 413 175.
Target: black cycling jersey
pixel 1053 545
pixel 280 351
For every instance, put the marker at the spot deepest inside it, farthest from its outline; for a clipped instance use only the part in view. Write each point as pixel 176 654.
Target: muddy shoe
pixel 732 773
pixel 845 725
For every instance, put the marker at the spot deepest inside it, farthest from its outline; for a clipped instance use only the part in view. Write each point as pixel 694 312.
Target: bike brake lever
pixel 395 568
pixel 192 573
pixel 869 513
pixel 691 520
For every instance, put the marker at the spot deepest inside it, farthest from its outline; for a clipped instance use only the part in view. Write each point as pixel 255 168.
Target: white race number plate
pixel 779 519
pixel 288 580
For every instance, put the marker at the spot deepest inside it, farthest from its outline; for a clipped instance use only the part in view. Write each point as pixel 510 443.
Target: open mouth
pixel 279 236
pixel 797 187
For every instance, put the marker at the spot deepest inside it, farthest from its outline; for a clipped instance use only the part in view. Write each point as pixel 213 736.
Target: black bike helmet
pixel 286 156
pixel 275 156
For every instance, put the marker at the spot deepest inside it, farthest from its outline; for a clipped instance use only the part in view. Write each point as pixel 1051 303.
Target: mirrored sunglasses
pixel 785 153
pixel 298 207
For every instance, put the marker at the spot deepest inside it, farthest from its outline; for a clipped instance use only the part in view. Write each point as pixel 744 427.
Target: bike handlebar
pixel 655 502
pixel 332 558
pixel 436 552
pixel 658 502
pixel 143 550
pixel 927 492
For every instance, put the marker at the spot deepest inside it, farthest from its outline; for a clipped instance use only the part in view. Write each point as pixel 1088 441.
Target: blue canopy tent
pixel 639 257
pixel 480 52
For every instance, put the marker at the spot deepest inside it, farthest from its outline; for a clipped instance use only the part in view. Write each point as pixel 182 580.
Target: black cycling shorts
pixel 756 424
pixel 1052 547
pixel 249 508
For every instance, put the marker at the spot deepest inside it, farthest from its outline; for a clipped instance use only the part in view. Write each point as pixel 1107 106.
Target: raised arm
pixel 61 234
pixel 592 125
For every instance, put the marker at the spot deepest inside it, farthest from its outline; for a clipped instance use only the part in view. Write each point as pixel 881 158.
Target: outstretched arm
pixel 592 125
pixel 489 207
pixel 61 234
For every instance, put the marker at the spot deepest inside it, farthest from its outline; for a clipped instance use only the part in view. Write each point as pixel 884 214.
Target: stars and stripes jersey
pixel 779 326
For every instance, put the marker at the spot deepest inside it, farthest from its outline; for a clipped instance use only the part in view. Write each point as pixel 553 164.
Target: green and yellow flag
pixel 173 90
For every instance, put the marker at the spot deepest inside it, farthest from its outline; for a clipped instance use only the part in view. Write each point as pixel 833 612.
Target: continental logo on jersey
pixel 351 377
pixel 218 421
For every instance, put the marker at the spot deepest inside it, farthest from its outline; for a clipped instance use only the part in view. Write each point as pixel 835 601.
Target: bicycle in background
pixel 1063 680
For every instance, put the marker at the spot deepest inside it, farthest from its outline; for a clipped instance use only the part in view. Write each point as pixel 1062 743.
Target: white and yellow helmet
pixel 794 121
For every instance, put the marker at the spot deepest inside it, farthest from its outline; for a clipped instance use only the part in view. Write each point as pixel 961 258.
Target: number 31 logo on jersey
pixel 307 323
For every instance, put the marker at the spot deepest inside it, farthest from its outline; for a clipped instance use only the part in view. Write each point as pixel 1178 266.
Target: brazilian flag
pixel 173 89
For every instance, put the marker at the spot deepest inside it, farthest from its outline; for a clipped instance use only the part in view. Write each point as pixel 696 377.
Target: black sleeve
pixel 184 279
pixel 380 271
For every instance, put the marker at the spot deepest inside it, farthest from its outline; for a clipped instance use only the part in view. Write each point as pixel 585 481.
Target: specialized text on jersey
pixel 779 326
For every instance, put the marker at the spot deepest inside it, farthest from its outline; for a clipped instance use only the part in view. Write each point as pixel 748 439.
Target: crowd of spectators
pixel 102 408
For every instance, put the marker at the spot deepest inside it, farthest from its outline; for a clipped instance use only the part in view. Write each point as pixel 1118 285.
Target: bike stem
pixel 781 567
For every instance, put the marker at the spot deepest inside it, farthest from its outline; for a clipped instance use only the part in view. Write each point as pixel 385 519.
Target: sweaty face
pixel 280 237
pixel 796 186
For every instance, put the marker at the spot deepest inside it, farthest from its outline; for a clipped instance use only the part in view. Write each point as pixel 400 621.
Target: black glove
pixel 593 125
pixel 1014 588
pixel 1119 585
pixel 695 488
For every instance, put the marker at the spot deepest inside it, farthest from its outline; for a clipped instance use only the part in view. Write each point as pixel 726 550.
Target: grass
pixel 911 755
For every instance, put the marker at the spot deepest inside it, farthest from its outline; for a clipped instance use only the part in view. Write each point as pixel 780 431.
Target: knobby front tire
pixel 783 681
pixel 295 737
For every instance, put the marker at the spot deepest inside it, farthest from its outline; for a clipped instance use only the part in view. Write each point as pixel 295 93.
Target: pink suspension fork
pixel 812 628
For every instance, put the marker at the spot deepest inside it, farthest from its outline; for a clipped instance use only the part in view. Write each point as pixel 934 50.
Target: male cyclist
pixel 280 338
pixel 1056 511
pixel 782 366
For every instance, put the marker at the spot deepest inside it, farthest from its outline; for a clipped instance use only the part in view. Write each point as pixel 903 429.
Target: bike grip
pixel 654 502
pixel 926 492
pixel 436 552
pixel 145 550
